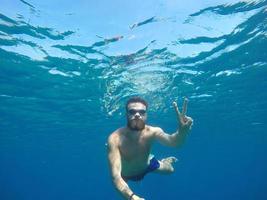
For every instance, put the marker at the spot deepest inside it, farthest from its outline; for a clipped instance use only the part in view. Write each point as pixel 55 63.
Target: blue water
pixel 67 69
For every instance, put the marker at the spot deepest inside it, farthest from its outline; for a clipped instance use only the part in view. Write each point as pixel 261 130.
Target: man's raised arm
pixel 185 123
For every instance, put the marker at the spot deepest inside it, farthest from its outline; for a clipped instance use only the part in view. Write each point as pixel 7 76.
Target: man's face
pixel 136 116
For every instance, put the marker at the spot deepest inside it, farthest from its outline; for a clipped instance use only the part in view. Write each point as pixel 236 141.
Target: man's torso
pixel 134 150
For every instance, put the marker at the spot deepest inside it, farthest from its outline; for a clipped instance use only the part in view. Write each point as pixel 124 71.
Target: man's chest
pixel 131 150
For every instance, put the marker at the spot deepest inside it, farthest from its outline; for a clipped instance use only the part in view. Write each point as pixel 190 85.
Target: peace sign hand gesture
pixel 185 122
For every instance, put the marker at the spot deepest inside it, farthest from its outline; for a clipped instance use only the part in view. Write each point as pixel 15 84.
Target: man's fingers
pixel 189 122
pixel 185 106
pixel 176 109
pixel 174 159
pixel 170 159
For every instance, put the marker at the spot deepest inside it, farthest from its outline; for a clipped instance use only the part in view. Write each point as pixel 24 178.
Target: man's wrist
pixel 131 196
pixel 183 131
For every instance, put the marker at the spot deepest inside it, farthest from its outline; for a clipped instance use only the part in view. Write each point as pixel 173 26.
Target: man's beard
pixel 136 124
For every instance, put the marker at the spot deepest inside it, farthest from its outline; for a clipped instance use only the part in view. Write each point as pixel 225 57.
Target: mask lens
pixel 133 112
pixel 142 112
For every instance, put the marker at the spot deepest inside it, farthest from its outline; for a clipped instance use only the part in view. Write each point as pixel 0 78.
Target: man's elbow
pixel 116 180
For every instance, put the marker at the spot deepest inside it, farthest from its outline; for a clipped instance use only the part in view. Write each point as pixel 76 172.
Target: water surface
pixel 67 68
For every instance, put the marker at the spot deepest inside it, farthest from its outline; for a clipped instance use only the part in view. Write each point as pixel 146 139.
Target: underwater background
pixel 67 68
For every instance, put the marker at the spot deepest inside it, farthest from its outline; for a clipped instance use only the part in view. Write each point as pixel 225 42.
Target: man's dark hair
pixel 136 100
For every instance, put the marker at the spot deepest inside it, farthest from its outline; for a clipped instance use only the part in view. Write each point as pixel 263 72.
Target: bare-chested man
pixel 129 147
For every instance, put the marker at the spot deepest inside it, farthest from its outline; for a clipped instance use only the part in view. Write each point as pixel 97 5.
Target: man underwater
pixel 129 147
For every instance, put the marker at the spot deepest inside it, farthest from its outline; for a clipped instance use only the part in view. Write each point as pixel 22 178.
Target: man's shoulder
pixel 118 132
pixel 153 129
pixel 115 135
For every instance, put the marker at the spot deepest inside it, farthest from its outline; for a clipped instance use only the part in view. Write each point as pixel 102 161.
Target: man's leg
pixel 166 165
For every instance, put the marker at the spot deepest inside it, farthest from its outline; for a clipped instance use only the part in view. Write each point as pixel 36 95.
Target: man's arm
pixel 114 159
pixel 172 140
pixel 176 139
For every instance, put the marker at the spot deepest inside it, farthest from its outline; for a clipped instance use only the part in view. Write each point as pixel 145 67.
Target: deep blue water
pixel 67 69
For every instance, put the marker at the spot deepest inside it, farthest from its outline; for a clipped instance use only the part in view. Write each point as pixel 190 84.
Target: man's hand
pixel 185 122
pixel 135 197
